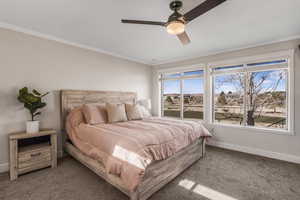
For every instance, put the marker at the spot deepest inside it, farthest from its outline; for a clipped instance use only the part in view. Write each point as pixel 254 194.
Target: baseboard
pixel 3 167
pixel 255 151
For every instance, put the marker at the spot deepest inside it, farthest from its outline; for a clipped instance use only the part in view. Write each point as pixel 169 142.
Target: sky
pixel 191 86
pixel 196 86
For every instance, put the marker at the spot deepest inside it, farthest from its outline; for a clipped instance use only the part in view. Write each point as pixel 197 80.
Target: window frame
pixel 212 110
pixel 208 86
pixel 181 78
pixel 282 55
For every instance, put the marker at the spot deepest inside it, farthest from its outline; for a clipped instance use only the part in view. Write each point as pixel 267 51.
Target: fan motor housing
pixel 176 16
pixel 175 5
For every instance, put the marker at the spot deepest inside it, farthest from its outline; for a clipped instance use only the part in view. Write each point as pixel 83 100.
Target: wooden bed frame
pixel 157 174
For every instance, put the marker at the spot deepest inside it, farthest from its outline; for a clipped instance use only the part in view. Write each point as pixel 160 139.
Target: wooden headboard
pixel 73 98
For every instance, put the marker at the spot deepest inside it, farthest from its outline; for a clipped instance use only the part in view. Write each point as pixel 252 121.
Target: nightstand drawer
pixel 34 154
pixel 34 157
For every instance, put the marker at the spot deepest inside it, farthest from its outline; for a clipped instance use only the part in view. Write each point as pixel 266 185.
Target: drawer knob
pixel 35 154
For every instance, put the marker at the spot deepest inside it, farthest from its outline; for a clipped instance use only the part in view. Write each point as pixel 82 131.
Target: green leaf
pixel 21 99
pixel 30 98
pixel 38 105
pixel 36 92
pixel 45 94
pixel 38 113
pixel 24 90
pixel 29 107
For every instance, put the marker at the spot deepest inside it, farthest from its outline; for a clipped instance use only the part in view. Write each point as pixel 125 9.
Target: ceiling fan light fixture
pixel 176 22
pixel 176 27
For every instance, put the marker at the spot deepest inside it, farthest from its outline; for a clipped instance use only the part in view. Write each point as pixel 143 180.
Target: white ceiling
pixel 96 24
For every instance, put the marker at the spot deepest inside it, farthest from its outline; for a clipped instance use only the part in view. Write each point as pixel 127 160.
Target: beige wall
pixel 268 144
pixel 51 66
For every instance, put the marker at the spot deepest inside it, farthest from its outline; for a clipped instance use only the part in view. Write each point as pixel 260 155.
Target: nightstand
pixel 29 152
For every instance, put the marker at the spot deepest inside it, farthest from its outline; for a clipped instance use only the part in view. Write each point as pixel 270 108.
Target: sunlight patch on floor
pixel 211 194
pixel 204 191
pixel 187 184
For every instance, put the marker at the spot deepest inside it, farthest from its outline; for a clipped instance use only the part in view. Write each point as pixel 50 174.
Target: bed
pixel 156 174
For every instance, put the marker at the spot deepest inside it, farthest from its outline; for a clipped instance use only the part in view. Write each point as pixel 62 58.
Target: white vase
pixel 32 126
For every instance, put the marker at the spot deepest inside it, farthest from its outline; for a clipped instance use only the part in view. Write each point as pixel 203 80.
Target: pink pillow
pixel 75 117
pixel 95 113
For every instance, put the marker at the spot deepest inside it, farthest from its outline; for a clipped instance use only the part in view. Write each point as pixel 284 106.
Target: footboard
pixel 160 173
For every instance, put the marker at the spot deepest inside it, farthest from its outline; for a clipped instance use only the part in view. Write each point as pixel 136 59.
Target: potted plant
pixel 33 102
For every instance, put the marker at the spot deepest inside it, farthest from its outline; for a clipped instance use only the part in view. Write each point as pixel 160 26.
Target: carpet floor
pixel 221 175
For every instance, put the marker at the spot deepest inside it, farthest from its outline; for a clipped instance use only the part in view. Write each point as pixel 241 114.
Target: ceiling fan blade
pixel 201 9
pixel 143 22
pixel 184 38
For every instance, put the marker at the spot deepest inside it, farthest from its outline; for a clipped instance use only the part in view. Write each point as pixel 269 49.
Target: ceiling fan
pixel 177 22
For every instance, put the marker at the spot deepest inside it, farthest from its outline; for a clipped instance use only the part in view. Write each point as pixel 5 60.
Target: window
pixel 229 98
pixel 193 98
pixel 252 94
pixel 267 96
pixel 182 95
pixel 171 98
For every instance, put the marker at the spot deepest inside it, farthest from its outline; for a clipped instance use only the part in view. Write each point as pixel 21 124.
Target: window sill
pixel 187 119
pixel 256 129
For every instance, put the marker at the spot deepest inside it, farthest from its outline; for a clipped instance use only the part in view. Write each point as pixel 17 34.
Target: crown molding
pixel 225 51
pixel 63 41
pixel 141 61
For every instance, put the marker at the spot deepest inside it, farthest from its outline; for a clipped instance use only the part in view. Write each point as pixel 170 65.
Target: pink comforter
pixel 126 148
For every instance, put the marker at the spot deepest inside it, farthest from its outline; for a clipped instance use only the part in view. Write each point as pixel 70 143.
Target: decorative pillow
pixel 145 112
pixel 95 113
pixel 133 111
pixel 145 107
pixel 116 113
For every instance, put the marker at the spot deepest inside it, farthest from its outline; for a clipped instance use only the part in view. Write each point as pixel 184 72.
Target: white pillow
pixel 145 112
pixel 145 107
pixel 133 111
